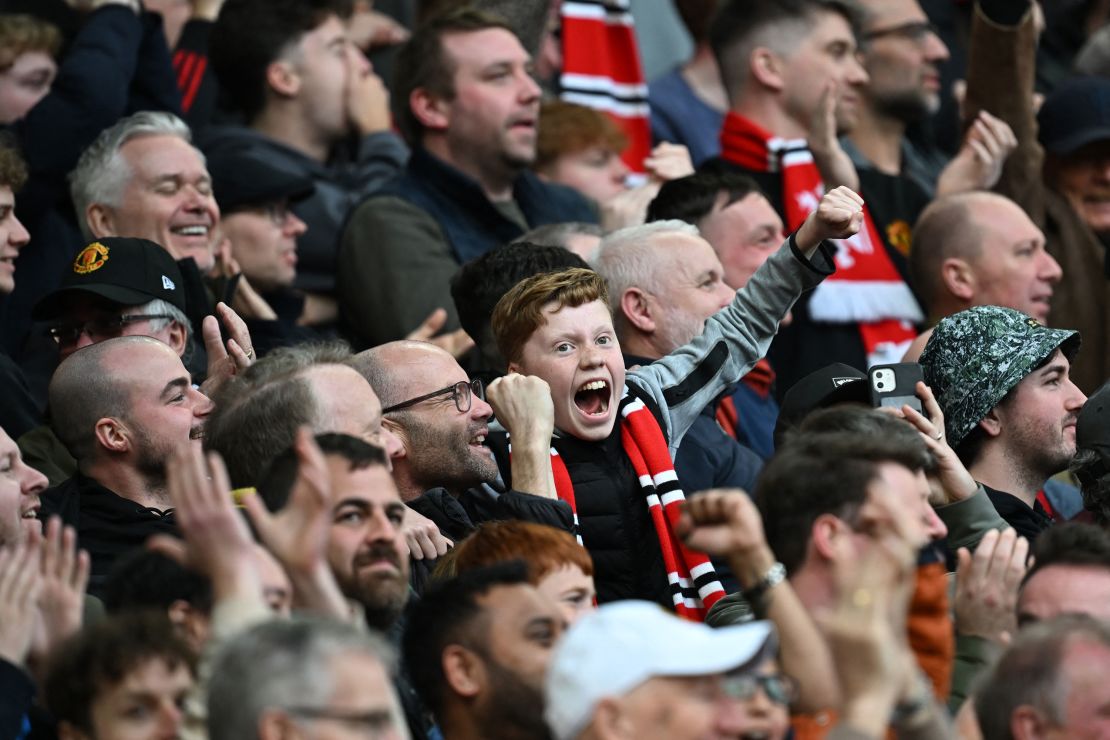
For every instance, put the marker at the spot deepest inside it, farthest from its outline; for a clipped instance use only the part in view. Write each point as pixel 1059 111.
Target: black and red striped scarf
pixel 866 288
pixel 693 580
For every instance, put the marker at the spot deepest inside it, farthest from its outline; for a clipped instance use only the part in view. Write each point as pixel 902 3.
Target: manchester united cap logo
pixel 91 259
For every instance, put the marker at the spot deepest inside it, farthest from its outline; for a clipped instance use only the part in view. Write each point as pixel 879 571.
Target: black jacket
pixel 107 524
pixel 613 518
pixel 1026 521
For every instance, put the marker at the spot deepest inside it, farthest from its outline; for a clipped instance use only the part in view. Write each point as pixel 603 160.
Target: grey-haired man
pixel 1010 407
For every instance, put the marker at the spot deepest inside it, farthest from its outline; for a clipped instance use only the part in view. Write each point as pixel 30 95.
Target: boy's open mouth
pixel 593 398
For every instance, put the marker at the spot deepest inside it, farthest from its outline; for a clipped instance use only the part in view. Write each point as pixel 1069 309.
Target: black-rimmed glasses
pixel 461 393
pixel 97 329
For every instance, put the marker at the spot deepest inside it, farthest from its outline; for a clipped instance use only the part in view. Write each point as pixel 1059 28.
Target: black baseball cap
pixel 243 179
pixel 123 270
pixel 832 384
pixel 1092 431
pixel 1075 114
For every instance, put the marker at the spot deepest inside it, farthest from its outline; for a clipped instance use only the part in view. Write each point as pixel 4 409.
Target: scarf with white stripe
pixel 693 580
pixel 601 70
pixel 866 288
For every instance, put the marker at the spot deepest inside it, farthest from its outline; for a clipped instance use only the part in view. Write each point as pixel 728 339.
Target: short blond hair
pixel 520 311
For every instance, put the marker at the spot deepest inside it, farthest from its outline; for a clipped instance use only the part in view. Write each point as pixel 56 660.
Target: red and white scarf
pixel 694 584
pixel 866 288
pixel 601 70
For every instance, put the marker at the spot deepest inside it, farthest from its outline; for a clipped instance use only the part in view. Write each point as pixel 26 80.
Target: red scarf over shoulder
pixel 694 584
pixel 866 288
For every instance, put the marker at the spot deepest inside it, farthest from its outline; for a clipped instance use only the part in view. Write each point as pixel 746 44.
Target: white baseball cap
pixel 613 650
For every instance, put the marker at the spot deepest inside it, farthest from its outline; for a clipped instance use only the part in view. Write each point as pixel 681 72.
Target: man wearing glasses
pixel 902 52
pixel 118 287
pixel 442 419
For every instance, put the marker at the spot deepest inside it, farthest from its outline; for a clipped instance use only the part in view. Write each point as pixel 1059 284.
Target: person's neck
pixel 879 139
pixel 766 112
pixel 1009 473
pixel 461 725
pixel 457 723
pixel 946 305
pixel 405 481
pixel 127 482
pixel 496 182
pixel 704 77
pixel 639 345
pixel 282 124
pixel 813 586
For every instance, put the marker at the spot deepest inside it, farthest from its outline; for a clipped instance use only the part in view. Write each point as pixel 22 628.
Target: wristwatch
pixel 775 575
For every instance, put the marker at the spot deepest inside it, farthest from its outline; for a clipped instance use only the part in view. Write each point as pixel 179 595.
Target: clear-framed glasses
pixel 372 723
pixel 778 687
pixel 461 393
pixel 916 31
pixel 99 329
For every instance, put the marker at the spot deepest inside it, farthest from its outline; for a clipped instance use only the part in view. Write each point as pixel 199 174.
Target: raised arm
pixel 738 336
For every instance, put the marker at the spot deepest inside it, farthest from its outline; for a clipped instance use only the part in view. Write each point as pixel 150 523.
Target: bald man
pixel 442 419
pixel 122 408
pixel 979 249
pixel 257 415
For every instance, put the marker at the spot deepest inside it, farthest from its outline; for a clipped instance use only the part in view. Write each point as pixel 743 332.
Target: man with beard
pixel 664 282
pixel 363 544
pixel 441 418
pixel 125 405
pixel 1010 408
pixel 902 53
pixel 477 647
pixel 465 101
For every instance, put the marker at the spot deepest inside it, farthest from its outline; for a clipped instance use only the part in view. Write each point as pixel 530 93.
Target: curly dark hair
pixel 101 656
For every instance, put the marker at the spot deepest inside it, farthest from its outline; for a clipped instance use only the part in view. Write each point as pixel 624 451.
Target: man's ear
pixel 1026 723
pixel 611 720
pixel 515 367
pixel 112 434
pixel 177 336
pixel 826 537
pixel 636 307
pixel 283 79
pixel 429 109
pixel 464 671
pixel 766 67
pixel 992 423
pixel 959 278
pixel 100 220
pixel 399 432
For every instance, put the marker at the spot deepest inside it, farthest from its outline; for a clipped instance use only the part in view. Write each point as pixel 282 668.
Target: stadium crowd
pixel 421 370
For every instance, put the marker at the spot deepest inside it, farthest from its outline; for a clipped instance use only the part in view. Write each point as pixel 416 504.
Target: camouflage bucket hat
pixel 976 356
